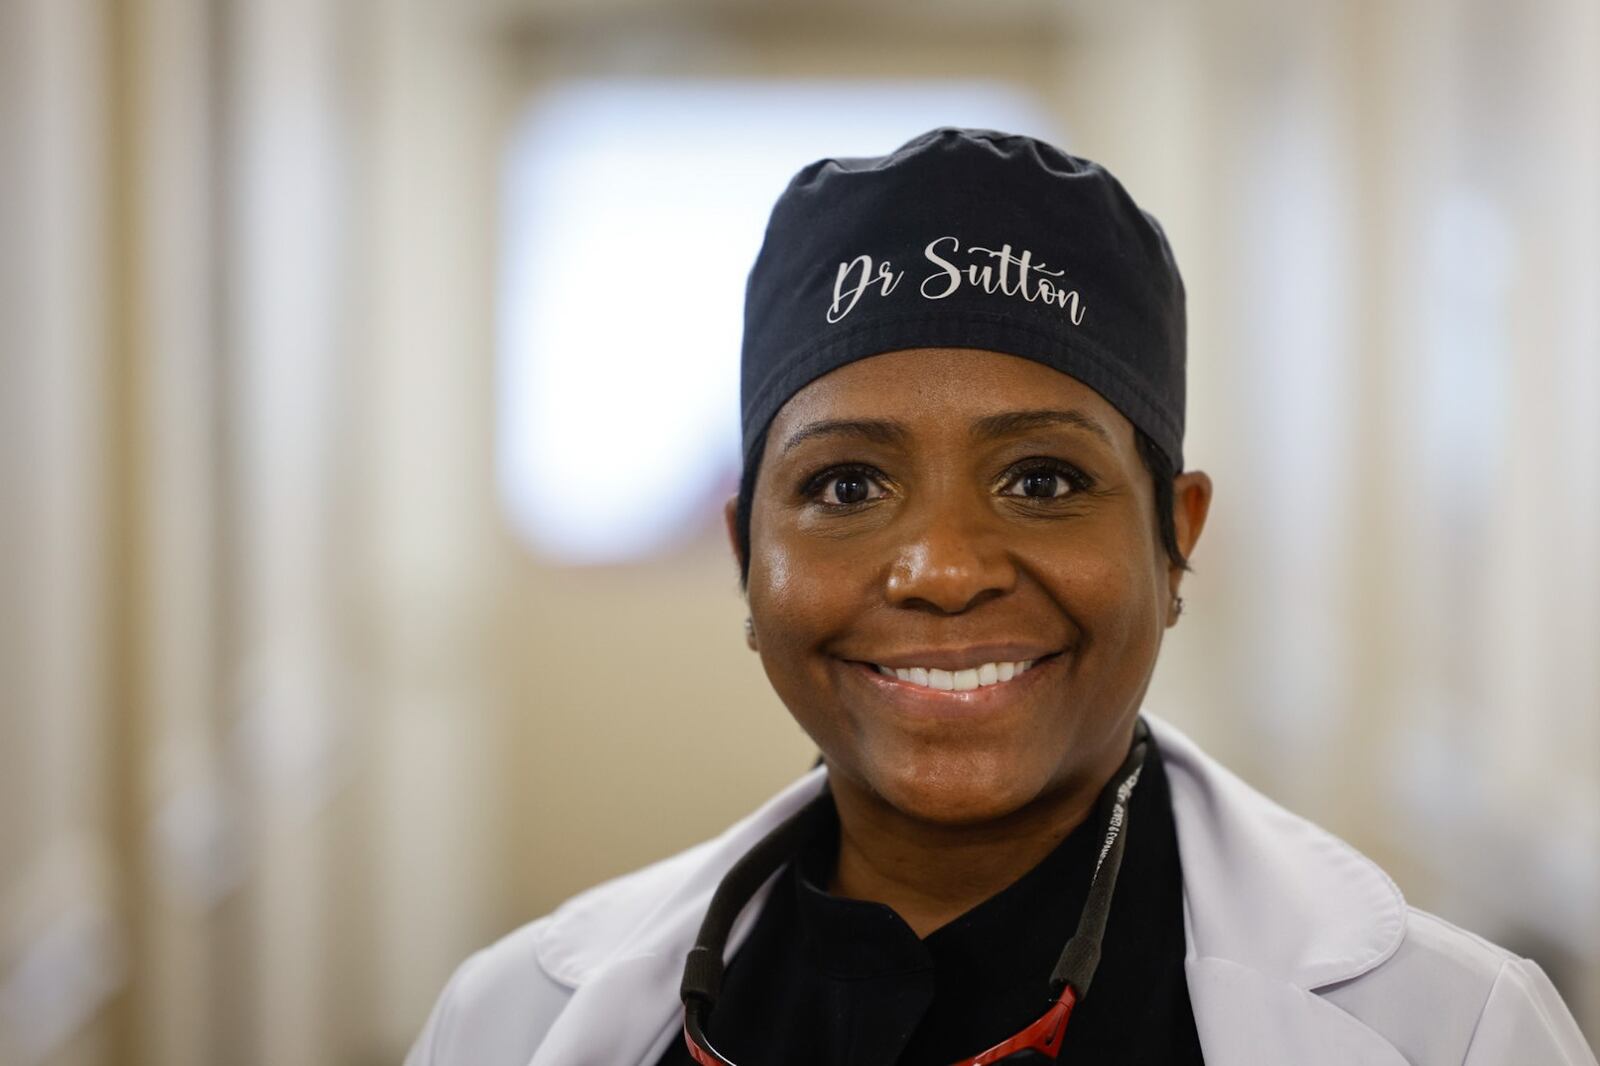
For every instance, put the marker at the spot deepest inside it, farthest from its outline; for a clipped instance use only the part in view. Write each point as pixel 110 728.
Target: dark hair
pixel 1155 462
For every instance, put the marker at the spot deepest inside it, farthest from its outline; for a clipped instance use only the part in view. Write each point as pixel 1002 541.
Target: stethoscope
pixel 1069 983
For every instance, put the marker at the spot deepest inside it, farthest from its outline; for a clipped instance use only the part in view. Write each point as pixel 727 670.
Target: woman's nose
pixel 950 563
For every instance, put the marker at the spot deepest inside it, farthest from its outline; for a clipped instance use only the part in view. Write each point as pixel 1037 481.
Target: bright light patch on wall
pixel 631 214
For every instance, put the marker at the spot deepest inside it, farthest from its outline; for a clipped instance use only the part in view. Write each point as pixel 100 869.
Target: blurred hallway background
pixel 367 386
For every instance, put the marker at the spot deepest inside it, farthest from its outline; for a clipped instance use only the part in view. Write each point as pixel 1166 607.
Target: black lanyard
pixel 1069 983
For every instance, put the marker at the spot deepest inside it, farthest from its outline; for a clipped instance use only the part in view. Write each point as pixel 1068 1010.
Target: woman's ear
pixel 730 518
pixel 1191 502
pixel 1191 497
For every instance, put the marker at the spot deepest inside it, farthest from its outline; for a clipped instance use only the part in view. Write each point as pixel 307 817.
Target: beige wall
pixel 290 722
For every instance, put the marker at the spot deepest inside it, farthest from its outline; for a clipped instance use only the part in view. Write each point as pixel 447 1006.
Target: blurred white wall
pixel 290 720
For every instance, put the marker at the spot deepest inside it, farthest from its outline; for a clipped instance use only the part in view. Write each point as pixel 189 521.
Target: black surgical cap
pixel 967 238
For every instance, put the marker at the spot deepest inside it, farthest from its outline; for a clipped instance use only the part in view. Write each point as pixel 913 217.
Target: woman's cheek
pixel 1103 586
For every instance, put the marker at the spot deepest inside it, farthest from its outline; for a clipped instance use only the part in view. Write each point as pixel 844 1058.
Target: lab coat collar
pixel 1274 908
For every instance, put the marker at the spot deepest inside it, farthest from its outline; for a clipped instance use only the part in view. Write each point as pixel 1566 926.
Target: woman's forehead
pixel 952 388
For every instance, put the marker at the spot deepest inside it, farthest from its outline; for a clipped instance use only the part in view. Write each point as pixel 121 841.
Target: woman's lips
pixel 924 699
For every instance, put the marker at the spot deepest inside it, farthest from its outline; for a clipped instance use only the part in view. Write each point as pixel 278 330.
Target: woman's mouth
pixel 983 676
pixel 956 688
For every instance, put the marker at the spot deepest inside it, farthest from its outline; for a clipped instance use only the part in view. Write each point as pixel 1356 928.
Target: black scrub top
pixel 828 981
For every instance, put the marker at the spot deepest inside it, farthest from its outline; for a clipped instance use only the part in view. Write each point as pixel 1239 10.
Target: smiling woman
pixel 962 530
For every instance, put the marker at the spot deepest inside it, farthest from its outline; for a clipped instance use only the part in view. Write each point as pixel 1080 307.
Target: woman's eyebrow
pixel 877 430
pixel 885 431
pixel 1009 422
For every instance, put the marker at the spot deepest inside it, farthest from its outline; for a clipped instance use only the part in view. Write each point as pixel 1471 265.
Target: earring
pixel 1177 606
pixel 750 632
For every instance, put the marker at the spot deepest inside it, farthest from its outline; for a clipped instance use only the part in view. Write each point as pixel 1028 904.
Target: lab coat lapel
pixel 617 1017
pixel 1246 1018
pixel 1274 908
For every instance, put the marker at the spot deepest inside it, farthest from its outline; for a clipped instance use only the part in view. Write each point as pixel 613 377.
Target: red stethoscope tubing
pixel 1043 1036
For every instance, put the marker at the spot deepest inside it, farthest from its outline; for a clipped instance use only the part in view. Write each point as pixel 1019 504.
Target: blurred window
pixel 631 212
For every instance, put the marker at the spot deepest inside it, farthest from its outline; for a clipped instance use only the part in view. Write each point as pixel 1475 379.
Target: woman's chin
pixel 954 795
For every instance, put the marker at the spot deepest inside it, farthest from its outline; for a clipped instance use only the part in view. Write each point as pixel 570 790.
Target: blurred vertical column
pixel 173 817
pixel 185 847
pixel 426 525
pixel 1564 210
pixel 1290 162
pixel 63 945
pixel 286 256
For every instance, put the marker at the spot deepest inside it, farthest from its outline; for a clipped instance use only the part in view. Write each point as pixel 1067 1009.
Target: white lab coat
pixel 1301 952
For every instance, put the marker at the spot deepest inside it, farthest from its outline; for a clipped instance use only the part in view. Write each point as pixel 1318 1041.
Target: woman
pixel 962 531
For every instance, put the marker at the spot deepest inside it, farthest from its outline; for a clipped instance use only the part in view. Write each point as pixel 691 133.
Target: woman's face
pixel 953 514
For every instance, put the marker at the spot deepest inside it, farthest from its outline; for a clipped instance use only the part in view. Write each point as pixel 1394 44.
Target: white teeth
pixel 958 680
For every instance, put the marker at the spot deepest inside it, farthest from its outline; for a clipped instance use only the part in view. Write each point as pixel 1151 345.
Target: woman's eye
pixel 1046 483
pixel 848 487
